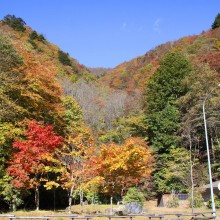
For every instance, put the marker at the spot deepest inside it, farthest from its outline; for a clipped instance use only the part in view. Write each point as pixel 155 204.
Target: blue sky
pixel 105 33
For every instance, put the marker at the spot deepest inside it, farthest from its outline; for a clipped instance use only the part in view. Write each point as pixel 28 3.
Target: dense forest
pixel 93 133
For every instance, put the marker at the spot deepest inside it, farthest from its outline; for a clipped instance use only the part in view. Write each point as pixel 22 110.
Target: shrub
pixel 217 202
pixel 34 45
pixel 197 199
pixel 41 38
pixel 14 22
pixel 73 78
pixel 173 203
pixel 33 35
pixel 133 195
pixel 92 197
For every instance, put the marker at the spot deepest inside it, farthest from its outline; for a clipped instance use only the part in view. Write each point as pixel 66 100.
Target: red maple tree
pixel 27 166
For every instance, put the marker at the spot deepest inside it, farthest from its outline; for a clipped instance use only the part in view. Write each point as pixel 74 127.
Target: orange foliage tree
pixel 122 166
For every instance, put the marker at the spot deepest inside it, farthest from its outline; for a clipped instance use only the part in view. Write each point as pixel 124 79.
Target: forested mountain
pixel 99 71
pixel 203 48
pixel 64 129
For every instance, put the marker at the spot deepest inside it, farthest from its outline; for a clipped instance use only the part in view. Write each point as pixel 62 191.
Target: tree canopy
pixel 16 23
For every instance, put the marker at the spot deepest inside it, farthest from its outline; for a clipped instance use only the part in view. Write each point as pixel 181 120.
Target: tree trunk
pixel 191 174
pixel 37 198
pixel 70 199
pixel 93 199
pixel 54 199
pixel 111 202
pixel 213 150
pixel 81 200
pixel 13 207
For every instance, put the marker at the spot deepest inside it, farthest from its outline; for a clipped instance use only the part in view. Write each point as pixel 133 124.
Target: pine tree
pixel 216 23
pixel 163 89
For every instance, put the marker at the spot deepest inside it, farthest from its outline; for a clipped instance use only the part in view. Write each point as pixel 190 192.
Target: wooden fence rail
pixel 177 216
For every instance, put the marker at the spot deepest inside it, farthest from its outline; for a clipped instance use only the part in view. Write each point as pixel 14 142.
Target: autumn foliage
pixel 28 163
pixel 91 137
pixel 122 166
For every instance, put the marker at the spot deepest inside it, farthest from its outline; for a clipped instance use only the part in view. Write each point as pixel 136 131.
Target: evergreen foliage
pixel 35 36
pixel 41 38
pixel 163 117
pixel 64 58
pixel 216 22
pixel 162 91
pixel 14 22
pixel 165 86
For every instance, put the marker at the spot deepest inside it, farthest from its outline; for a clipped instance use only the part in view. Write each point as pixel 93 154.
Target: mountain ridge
pixel 135 73
pixel 129 75
pixel 45 53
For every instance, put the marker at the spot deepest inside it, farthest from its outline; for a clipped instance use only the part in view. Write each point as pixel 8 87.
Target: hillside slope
pixel 31 72
pixel 42 56
pixel 133 74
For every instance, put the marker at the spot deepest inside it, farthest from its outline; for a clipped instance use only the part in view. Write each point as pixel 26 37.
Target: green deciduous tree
pixel 75 150
pixel 10 81
pixel 173 171
pixel 11 195
pixel 201 82
pixel 10 89
pixel 198 200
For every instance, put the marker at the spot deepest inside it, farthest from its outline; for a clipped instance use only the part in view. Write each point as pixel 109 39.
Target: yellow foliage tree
pixel 122 166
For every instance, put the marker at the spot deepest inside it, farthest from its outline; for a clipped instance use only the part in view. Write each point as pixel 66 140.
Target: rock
pixel 133 208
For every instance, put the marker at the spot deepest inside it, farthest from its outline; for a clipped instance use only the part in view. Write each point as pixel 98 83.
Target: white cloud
pixel 156 25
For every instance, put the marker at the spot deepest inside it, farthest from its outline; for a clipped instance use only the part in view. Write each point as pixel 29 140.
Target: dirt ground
pixel 150 208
